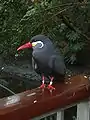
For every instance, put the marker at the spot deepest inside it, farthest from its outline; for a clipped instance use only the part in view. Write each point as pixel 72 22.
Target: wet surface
pixel 18 76
pixel 73 90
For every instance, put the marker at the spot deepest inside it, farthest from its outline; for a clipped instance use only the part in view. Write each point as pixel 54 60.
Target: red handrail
pixel 36 102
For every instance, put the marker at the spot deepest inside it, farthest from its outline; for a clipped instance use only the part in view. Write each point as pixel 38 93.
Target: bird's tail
pixel 59 78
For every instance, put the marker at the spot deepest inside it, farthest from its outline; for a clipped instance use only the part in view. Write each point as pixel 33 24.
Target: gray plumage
pixel 47 60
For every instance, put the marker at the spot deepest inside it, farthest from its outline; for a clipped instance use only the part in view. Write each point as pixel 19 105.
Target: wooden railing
pixel 37 104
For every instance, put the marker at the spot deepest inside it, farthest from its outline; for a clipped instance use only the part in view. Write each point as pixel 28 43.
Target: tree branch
pixel 49 19
pixel 71 26
pixel 68 4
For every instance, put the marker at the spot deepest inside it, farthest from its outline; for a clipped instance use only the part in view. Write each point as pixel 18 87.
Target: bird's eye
pixel 41 44
pixel 38 44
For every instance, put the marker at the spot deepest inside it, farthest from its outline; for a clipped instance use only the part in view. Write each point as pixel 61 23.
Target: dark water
pixel 16 86
pixel 13 75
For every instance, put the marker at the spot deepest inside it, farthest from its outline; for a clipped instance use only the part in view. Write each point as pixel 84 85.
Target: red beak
pixel 26 45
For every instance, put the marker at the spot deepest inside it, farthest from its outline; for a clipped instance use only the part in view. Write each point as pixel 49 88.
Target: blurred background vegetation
pixel 66 22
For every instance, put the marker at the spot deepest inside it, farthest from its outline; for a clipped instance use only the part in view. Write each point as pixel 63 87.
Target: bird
pixel 47 60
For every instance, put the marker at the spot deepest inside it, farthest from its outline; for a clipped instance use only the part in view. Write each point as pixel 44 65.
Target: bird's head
pixel 36 44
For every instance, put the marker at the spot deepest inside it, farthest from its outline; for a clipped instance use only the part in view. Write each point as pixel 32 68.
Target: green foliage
pixel 10 14
pixel 66 23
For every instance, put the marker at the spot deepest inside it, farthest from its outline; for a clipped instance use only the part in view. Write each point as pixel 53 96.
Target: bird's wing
pixel 42 56
pixel 34 64
pixel 56 63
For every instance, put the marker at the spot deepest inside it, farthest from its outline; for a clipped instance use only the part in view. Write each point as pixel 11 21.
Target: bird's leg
pixel 43 80
pixel 50 84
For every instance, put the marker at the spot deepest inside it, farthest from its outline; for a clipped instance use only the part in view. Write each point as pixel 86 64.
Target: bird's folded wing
pixel 56 63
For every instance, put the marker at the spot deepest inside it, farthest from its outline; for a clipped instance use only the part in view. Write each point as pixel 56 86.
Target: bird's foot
pixel 42 86
pixel 50 87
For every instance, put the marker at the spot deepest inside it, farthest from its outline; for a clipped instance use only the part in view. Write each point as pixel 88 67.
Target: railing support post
pixel 83 111
pixel 60 115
